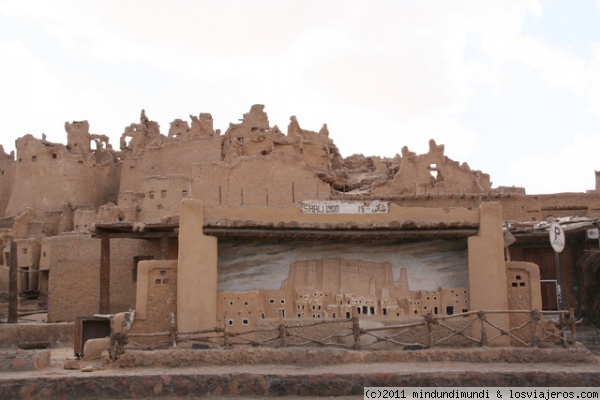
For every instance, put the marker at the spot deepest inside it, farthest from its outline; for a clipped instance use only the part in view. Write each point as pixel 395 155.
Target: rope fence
pixel 529 328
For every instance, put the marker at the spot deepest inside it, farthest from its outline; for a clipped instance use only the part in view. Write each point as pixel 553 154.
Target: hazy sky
pixel 511 87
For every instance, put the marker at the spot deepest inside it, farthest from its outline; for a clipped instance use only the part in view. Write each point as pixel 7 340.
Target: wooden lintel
pixel 133 235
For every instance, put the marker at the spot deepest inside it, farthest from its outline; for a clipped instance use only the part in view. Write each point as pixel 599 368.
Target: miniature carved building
pixel 173 205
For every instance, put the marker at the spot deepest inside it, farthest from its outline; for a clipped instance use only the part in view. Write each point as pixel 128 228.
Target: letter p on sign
pixel 557 237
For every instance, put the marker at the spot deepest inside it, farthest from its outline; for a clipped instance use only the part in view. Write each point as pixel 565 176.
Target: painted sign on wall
pixel 344 207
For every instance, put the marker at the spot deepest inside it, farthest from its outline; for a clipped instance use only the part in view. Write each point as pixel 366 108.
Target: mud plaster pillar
pixel 196 270
pixel 487 271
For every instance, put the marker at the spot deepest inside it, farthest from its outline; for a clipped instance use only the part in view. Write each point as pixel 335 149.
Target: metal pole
pixel 558 287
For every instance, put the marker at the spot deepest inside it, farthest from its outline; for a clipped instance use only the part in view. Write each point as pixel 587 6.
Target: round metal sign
pixel 557 237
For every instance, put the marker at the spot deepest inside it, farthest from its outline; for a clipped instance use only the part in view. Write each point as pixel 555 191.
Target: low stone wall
pixel 190 385
pixel 174 358
pixel 22 360
pixel 56 334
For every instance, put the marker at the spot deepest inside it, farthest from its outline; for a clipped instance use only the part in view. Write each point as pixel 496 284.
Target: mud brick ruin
pixel 247 225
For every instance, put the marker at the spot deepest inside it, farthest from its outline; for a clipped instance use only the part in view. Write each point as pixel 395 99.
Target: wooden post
pixel 282 331
pixel 356 331
pixel 482 320
pixel 13 298
pixel 173 331
pixel 429 320
pixel 104 275
pixel 164 247
pixel 226 334
pixel 535 319
pixel 572 324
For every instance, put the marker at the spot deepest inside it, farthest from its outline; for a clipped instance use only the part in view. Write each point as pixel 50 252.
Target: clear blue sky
pixel 511 87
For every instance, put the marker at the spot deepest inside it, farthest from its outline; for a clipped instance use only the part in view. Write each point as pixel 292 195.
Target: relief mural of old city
pixel 336 279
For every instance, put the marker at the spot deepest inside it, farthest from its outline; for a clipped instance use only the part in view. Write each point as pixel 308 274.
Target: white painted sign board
pixel 557 237
pixel 344 207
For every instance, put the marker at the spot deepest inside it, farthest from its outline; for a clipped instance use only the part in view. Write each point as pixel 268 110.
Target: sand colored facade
pixel 255 183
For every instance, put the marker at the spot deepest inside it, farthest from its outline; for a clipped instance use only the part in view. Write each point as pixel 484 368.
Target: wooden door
pixel 544 258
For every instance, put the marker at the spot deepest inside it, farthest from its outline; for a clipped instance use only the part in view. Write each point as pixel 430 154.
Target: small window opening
pixel 449 310
pixel 384 310
pixel 163 194
pixel 433 170
pixel 245 321
pixel 151 194
pixel 54 156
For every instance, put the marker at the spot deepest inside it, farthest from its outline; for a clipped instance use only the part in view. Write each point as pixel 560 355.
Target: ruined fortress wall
pixel 162 196
pixel 8 168
pixel 515 207
pixel 74 284
pixel 271 181
pixel 433 173
pixel 49 176
pixel 175 158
